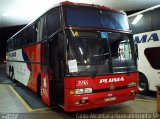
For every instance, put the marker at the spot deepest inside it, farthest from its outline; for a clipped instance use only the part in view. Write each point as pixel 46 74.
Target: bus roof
pixel 143 11
pixel 92 6
pixel 70 3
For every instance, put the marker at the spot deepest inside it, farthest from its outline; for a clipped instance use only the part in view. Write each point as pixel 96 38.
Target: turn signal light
pixel 71 92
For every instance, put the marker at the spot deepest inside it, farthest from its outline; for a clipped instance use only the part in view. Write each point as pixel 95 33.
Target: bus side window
pixel 44 29
pixel 8 45
pixel 14 44
pixel 40 30
pixel 53 21
pixel 11 44
pixel 153 57
pixel 155 19
pixel 30 34
pixel 23 38
pixel 18 40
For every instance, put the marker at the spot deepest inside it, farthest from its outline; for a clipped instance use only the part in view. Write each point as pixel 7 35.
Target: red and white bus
pixel 77 56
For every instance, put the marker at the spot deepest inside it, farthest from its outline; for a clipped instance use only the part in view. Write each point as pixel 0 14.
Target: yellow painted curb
pixel 21 99
pixel 42 109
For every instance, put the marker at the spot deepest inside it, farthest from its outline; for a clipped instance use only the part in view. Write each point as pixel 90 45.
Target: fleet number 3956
pixel 82 83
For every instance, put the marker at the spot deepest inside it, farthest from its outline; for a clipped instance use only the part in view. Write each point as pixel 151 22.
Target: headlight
pixel 87 90
pixel 132 84
pixel 79 91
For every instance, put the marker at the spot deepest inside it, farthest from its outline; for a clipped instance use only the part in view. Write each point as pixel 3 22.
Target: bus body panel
pixel 148 40
pixel 26 64
pixel 147 36
pixel 17 63
pixel 97 100
pixel 33 54
pixel 45 92
pixel 101 86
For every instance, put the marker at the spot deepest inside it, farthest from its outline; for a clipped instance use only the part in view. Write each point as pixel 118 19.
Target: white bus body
pixel 147 37
pixel 147 42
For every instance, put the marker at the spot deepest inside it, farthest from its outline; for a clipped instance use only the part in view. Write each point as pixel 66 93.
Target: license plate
pixel 110 99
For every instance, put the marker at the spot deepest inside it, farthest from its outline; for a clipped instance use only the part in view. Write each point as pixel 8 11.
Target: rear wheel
pixel 39 91
pixel 143 84
pixel 12 74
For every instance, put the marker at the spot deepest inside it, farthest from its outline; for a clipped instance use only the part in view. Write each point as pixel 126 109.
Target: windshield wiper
pixel 101 55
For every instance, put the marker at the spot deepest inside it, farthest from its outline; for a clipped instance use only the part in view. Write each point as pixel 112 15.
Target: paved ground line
pixel 143 100
pixel 21 99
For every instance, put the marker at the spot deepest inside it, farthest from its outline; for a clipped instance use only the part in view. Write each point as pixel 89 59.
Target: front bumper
pixel 95 100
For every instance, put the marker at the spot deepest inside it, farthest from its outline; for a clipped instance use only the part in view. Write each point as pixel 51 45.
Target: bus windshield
pixel 91 54
pixel 91 17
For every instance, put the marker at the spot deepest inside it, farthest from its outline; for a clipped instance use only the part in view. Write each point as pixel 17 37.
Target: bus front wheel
pixel 143 84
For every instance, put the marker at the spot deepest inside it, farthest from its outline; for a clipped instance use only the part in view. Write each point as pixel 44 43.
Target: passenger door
pixel 56 69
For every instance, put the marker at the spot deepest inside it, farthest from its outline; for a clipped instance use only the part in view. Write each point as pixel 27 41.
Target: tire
pixel 39 86
pixel 12 75
pixel 143 86
pixel 10 72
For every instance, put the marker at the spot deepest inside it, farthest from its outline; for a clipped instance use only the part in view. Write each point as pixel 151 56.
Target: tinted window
pixel 40 29
pixel 18 40
pixel 156 19
pixel 30 34
pixel 9 45
pixel 89 17
pixel 143 25
pixel 14 43
pixel 121 52
pixel 23 38
pixel 149 22
pixel 53 21
pixel 153 57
